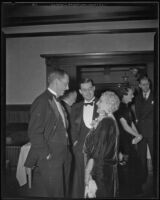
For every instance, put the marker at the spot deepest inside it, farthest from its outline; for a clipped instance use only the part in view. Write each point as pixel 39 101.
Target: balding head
pixel 58 81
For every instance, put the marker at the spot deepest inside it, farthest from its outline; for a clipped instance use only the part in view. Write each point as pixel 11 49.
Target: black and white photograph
pixel 80 100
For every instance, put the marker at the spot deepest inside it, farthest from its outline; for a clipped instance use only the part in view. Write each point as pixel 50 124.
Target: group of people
pixel 76 147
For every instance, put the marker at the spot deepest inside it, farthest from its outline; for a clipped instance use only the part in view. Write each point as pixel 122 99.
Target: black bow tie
pixel 91 103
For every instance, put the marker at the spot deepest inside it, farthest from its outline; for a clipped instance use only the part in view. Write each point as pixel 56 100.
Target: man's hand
pixel 137 139
pixel 74 144
pixel 49 156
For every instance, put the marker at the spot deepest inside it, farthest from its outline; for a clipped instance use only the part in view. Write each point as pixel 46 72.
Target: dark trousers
pixel 78 176
pixel 130 174
pixel 142 153
pixel 50 179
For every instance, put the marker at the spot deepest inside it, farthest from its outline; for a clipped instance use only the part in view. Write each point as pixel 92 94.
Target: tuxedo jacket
pixel 68 112
pixel 77 119
pixel 46 131
pixel 67 108
pixel 144 113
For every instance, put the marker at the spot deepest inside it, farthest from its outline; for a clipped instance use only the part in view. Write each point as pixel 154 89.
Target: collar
pixel 111 115
pixel 85 101
pixel 53 92
pixel 147 93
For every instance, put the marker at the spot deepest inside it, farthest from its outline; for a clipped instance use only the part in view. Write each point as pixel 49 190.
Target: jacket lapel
pixel 65 116
pixel 79 118
pixel 95 114
pixel 54 107
pixel 53 104
pixel 150 98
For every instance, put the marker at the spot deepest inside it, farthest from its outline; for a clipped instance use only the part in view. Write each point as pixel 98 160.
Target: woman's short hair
pixel 124 91
pixel 112 100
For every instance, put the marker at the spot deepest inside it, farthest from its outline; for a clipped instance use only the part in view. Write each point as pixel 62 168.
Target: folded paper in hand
pixel 90 189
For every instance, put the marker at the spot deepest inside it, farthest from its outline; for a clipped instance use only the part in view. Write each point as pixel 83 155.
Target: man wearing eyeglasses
pixel 82 115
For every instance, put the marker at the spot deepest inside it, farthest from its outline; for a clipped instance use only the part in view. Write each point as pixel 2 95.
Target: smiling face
pixel 87 90
pixel 144 85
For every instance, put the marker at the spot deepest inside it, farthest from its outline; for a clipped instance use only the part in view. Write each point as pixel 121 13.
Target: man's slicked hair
pixel 85 80
pixel 144 77
pixel 56 74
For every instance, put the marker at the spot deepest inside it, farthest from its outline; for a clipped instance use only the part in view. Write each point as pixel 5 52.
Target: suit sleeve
pixel 137 108
pixel 37 127
pixel 111 144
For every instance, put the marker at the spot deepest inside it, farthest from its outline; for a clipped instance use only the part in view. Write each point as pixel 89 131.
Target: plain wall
pixel 26 70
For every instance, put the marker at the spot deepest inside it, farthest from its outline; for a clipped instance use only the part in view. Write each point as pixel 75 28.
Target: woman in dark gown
pixel 101 148
pixel 129 137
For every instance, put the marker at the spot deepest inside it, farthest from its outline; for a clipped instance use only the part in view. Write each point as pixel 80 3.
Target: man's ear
pixel 56 83
pixel 94 88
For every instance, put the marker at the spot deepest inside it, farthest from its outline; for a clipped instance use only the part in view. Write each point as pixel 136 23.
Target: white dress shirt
pixel 88 113
pixel 146 94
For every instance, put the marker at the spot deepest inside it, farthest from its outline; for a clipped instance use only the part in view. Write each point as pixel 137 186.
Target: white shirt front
pixel 146 95
pixel 88 114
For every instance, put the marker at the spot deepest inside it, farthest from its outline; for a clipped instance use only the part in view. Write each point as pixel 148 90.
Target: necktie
pixel 91 104
pixel 145 96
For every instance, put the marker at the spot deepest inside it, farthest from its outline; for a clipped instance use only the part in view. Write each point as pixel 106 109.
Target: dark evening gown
pixel 78 165
pixel 101 144
pixel 128 174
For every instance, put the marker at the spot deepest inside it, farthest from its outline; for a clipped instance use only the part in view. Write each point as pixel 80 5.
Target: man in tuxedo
pixel 49 156
pixel 82 114
pixel 68 99
pixel 144 104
